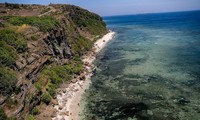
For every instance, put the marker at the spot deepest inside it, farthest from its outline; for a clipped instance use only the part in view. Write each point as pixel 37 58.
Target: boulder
pixel 30 60
pixel 67 113
pixel 21 63
pixel 182 100
pixel 60 107
pixel 54 114
pixel 82 77
pixel 64 90
pixel 149 112
pixel 74 80
pixel 65 99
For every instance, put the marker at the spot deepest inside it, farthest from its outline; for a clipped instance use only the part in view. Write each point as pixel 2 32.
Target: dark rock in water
pixel 190 83
pixel 153 77
pixel 197 109
pixel 185 109
pixel 149 112
pixel 94 71
pixel 104 58
pixel 159 97
pixel 182 100
pixel 106 68
pixel 137 61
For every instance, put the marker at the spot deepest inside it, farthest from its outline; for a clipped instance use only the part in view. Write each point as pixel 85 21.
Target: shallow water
pixel 150 71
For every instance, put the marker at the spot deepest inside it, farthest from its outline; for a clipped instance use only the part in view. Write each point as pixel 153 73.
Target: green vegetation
pixel 11 118
pixel 2 115
pixel 85 43
pixel 7 81
pixel 51 89
pixel 89 21
pixel 57 75
pixel 43 23
pixel 77 68
pixel 81 45
pixel 11 43
pixel 35 111
pixel 85 19
pixel 13 39
pixel 11 101
pixel 46 98
pixel 38 86
pixel 31 117
pixel 34 38
pixel 1 25
pixel 7 55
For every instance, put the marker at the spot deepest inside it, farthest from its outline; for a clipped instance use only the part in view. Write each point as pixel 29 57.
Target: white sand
pixel 70 97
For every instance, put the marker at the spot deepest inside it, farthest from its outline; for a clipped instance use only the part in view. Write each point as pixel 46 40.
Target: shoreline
pixel 69 98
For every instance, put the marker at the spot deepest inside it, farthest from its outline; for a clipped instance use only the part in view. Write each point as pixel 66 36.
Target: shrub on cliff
pixel 35 111
pixel 31 117
pixel 11 102
pixel 38 86
pixel 81 45
pixel 87 20
pixel 7 58
pixel 46 98
pixel 11 43
pixel 51 89
pixel 16 40
pixel 2 115
pixel 7 81
pixel 56 75
pixel 59 74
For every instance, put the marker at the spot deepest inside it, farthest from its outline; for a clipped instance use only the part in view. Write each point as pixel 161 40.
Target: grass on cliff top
pixel 43 23
pixel 92 24
pixel 87 20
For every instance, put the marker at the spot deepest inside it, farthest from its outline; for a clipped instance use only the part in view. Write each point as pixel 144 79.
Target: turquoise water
pixel 150 71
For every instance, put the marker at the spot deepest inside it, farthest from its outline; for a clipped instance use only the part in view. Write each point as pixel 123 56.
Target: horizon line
pixel 151 13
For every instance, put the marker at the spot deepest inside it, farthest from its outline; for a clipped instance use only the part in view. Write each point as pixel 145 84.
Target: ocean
pixel 149 71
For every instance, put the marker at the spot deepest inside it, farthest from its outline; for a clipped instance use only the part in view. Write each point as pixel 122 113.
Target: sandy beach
pixel 69 98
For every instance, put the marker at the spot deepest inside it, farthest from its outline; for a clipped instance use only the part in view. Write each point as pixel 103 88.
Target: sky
pixel 122 7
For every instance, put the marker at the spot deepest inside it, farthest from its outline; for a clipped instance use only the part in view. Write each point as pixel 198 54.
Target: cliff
pixel 40 49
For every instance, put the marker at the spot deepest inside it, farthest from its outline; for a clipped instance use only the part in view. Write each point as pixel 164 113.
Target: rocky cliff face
pixel 41 48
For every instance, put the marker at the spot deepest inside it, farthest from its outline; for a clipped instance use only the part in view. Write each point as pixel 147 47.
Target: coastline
pixel 69 98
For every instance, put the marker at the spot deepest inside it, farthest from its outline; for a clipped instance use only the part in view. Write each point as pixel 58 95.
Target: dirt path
pixel 52 9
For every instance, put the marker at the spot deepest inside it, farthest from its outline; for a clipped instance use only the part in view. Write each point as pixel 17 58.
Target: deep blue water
pixel 150 70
